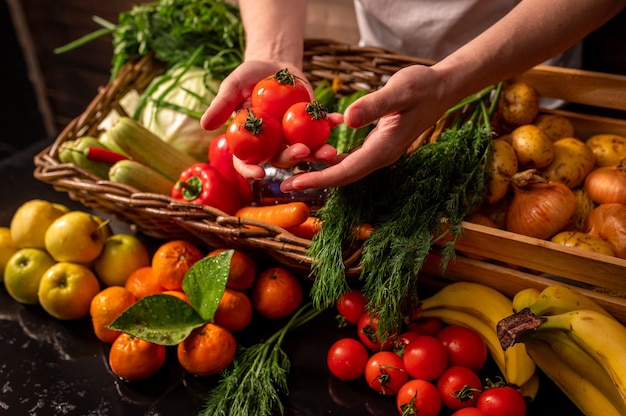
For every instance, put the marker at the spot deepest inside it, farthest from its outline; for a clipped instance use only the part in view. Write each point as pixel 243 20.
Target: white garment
pixel 432 29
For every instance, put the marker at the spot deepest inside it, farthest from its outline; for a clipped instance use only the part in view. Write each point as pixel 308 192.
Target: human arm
pixel 415 97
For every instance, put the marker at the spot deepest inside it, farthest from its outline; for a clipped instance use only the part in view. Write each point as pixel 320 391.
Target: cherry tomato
pixel 254 136
pixel 384 372
pixel 306 123
pixel 468 411
pixel 425 358
pixel 459 387
pixel 347 358
pixel 221 158
pixel 400 343
pixel 351 305
pixel 464 346
pixel 502 401
pixel 367 328
pixel 418 397
pixel 275 94
pixel 426 326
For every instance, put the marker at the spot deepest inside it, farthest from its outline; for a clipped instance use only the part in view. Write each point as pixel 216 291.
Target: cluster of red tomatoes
pixel 428 366
pixel 281 114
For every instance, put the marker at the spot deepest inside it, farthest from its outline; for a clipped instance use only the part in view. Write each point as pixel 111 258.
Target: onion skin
pixel 608 221
pixel 539 209
pixel 607 184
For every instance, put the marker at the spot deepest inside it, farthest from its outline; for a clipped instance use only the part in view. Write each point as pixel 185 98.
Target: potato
pixel 573 160
pixel 583 241
pixel 533 147
pixel 518 104
pixel 503 166
pixel 555 126
pixel 609 149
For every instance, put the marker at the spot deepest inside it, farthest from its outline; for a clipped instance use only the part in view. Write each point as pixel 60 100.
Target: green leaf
pixel 162 319
pixel 205 282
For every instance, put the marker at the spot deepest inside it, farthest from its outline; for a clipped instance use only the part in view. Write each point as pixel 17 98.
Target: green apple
pixel 23 273
pixel 7 249
pixel 66 290
pixel 31 220
pixel 76 236
pixel 122 255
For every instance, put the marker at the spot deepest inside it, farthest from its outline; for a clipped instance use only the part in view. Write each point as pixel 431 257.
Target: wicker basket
pixel 507 261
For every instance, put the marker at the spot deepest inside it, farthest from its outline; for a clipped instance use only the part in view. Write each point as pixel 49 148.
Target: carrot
pixel 362 232
pixel 285 215
pixel 308 228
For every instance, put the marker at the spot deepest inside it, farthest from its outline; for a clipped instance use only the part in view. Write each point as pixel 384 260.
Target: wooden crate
pixel 509 261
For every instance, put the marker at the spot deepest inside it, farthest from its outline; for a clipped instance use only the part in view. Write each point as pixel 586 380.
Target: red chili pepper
pixel 221 158
pixel 201 183
pixel 98 154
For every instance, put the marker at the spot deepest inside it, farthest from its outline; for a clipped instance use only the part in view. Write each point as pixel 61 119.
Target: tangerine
pixel 242 269
pixel 105 307
pixel 234 311
pixel 132 358
pixel 143 282
pixel 172 260
pixel 207 350
pixel 276 293
pixel 177 293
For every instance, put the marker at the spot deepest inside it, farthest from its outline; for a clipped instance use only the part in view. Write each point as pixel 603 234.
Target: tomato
pixel 468 411
pixel 351 305
pixel 275 94
pixel 464 346
pixel 400 343
pixel 306 123
pixel 459 387
pixel 425 358
pixel 367 328
pixel 254 136
pixel 347 358
pixel 221 158
pixel 418 397
pixel 384 372
pixel 502 401
pixel 426 326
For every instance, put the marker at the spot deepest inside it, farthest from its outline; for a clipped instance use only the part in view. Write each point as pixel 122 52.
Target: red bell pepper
pixel 221 158
pixel 202 183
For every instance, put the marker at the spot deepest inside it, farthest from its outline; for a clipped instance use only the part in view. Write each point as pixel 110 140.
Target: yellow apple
pixel 66 290
pixel 23 273
pixel 7 249
pixel 30 221
pixel 122 255
pixel 76 236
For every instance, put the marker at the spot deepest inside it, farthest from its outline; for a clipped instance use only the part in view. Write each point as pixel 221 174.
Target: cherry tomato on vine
pixel 426 326
pixel 306 123
pixel 275 94
pixel 347 358
pixel 459 387
pixel 418 397
pixel 464 346
pixel 400 343
pixel 254 136
pixel 351 305
pixel 384 372
pixel 425 358
pixel 502 401
pixel 367 329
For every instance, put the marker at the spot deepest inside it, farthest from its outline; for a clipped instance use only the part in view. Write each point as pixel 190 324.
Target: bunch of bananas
pixel 575 342
pixel 481 307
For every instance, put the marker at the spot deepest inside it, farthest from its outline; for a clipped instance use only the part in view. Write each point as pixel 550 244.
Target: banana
pixel 530 389
pixel 559 298
pixel 601 336
pixel 474 298
pixel 583 393
pixel 524 298
pixel 514 363
pixel 583 363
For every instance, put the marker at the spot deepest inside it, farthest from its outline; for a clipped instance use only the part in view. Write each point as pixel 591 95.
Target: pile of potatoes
pixel 529 138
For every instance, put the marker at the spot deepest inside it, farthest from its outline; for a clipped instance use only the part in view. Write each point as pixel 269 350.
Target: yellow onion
pixel 539 208
pixel 607 184
pixel 608 221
